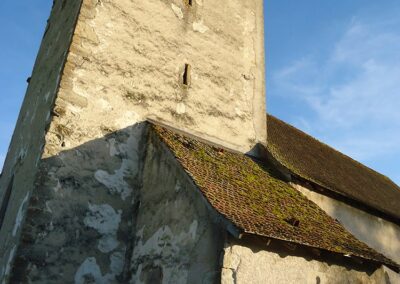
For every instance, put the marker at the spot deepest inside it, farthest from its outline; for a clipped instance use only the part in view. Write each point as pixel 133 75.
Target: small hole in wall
pixel 186 75
pixel 190 2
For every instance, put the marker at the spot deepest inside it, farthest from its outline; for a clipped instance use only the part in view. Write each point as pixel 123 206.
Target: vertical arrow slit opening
pixel 186 75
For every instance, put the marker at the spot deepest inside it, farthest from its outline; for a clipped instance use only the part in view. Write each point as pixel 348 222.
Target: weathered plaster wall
pixel 177 240
pixel 27 142
pixel 249 263
pixel 125 64
pixel 80 218
pixel 129 58
pixel 379 234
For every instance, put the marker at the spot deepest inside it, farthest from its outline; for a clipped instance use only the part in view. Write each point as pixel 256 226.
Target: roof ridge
pixel 312 160
pixel 332 148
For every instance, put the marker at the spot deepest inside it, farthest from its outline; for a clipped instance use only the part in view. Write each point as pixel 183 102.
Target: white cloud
pixel 354 92
pixel 293 77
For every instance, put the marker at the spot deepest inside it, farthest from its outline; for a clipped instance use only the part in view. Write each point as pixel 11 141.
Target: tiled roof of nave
pixel 314 161
pixel 253 198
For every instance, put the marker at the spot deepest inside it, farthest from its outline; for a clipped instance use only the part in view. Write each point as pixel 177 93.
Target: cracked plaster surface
pixel 247 263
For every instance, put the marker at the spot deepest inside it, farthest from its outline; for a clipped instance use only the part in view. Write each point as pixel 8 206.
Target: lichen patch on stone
pixel 105 220
pixel 115 182
pixel 89 271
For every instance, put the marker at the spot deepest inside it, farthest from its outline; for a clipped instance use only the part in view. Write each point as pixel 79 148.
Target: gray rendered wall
pixel 28 140
pixel 177 239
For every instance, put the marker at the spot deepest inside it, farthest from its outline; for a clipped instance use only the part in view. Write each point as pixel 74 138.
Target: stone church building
pixel 143 154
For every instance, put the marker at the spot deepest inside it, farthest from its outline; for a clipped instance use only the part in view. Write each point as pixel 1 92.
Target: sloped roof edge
pixel 311 160
pixel 250 210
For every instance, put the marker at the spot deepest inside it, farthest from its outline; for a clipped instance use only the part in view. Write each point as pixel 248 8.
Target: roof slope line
pixel 254 199
pixel 316 162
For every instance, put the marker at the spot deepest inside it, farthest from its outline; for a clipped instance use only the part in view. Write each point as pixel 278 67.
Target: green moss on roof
pixel 314 161
pixel 251 195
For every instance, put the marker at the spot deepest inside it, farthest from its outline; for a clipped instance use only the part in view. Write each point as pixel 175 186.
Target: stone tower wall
pixel 128 60
pixel 195 65
pixel 27 142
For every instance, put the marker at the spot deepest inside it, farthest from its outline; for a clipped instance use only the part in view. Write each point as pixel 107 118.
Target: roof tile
pixel 253 197
pixel 314 161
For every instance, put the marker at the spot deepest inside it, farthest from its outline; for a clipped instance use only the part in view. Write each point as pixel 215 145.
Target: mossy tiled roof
pixel 254 199
pixel 314 161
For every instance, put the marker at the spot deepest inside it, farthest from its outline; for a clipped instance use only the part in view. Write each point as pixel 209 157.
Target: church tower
pixel 69 187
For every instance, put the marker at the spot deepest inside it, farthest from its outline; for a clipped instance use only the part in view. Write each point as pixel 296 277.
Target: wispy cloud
pixel 353 92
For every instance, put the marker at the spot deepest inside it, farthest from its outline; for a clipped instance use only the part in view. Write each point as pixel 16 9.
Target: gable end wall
pixel 176 233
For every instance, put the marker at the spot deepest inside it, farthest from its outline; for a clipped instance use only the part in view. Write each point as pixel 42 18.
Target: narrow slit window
pixel 6 199
pixel 186 75
pixel 190 2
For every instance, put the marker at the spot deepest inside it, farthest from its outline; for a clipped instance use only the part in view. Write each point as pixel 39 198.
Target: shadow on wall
pixel 81 218
pixel 323 258
pixel 379 234
pixel 81 213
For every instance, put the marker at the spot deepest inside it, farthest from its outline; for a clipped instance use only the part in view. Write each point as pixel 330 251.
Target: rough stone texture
pixel 379 234
pixel 125 64
pixel 27 143
pixel 177 241
pixel 80 218
pixel 249 263
pixel 128 58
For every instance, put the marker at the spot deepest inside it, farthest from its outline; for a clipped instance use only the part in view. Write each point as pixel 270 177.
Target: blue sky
pixel 22 23
pixel 333 70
